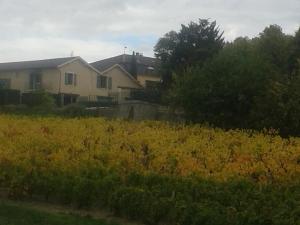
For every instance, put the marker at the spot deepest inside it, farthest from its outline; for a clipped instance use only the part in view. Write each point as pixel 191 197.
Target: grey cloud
pixel 93 28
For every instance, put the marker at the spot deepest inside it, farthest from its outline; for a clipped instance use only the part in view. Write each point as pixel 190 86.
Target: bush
pixel 73 110
pixel 131 202
pixel 13 108
pixel 9 97
pixel 233 202
pixel 248 178
pixel 147 95
pixel 38 99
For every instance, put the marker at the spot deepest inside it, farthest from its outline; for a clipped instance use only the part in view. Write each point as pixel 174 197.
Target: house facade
pixel 147 68
pixel 78 78
pixel 123 83
pixel 71 79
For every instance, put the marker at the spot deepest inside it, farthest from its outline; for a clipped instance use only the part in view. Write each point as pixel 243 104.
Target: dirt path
pixel 52 208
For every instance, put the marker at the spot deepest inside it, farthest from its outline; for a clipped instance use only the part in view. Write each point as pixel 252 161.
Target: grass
pixel 11 214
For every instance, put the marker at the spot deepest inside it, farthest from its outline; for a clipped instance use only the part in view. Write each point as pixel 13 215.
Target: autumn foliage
pixel 153 171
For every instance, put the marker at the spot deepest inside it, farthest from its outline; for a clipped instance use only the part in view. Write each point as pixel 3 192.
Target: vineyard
pixel 154 172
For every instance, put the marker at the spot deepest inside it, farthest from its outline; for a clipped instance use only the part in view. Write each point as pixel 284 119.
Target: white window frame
pixel 99 83
pixel 35 80
pixel 73 81
pixel 109 83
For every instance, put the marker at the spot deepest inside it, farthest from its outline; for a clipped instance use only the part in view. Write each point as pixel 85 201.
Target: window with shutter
pixel 35 81
pixel 70 78
pixel 101 81
pixel 109 83
pixel 98 81
pixel 75 79
pixel 4 83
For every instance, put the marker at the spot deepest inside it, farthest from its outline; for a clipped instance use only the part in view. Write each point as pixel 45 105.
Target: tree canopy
pixel 248 83
pixel 194 43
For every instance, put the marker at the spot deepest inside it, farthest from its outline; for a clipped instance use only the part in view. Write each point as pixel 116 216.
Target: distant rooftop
pixel 104 64
pixel 35 64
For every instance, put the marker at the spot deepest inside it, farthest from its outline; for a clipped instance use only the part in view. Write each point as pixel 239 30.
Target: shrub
pixel 13 108
pixel 38 99
pixel 73 110
pixel 131 202
pixel 238 178
pixel 148 95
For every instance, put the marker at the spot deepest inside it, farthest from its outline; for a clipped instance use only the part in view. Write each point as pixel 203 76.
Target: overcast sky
pixel 95 29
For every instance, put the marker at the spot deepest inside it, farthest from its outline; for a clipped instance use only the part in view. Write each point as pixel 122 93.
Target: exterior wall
pixel 50 80
pixel 143 78
pixel 138 110
pixel 120 79
pixel 86 85
pixel 53 80
pixel 121 84
pixel 20 80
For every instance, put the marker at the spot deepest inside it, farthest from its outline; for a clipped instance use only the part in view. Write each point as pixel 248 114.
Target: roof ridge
pixel 36 64
pixel 126 55
pixel 37 60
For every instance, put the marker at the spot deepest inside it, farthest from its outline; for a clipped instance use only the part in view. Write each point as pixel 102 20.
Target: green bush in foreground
pixel 11 214
pixel 157 199
pixel 153 172
pixel 38 99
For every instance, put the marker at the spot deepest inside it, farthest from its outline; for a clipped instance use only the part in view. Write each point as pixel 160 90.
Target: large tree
pixel 250 83
pixel 194 43
pixel 224 90
pixel 276 47
pixel 294 59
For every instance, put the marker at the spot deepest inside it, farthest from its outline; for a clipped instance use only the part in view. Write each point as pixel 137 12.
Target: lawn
pixel 11 214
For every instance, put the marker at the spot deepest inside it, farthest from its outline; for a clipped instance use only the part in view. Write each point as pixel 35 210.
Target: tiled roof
pixel 104 64
pixel 36 64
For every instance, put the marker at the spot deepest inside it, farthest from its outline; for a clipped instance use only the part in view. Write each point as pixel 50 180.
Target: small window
pixel 75 79
pixel 35 81
pixel 4 83
pixel 101 81
pixel 70 79
pixel 109 83
pixel 150 70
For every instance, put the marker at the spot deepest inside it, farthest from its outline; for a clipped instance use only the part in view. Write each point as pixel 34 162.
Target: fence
pixel 10 97
pixel 139 110
pixel 147 95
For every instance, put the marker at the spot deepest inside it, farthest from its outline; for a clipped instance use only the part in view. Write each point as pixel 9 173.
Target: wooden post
pixel 61 103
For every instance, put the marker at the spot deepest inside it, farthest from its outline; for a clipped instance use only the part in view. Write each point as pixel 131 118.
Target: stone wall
pixel 138 110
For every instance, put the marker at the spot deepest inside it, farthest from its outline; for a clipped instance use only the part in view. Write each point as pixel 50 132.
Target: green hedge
pixel 147 95
pixel 38 98
pixel 102 102
pixel 156 199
